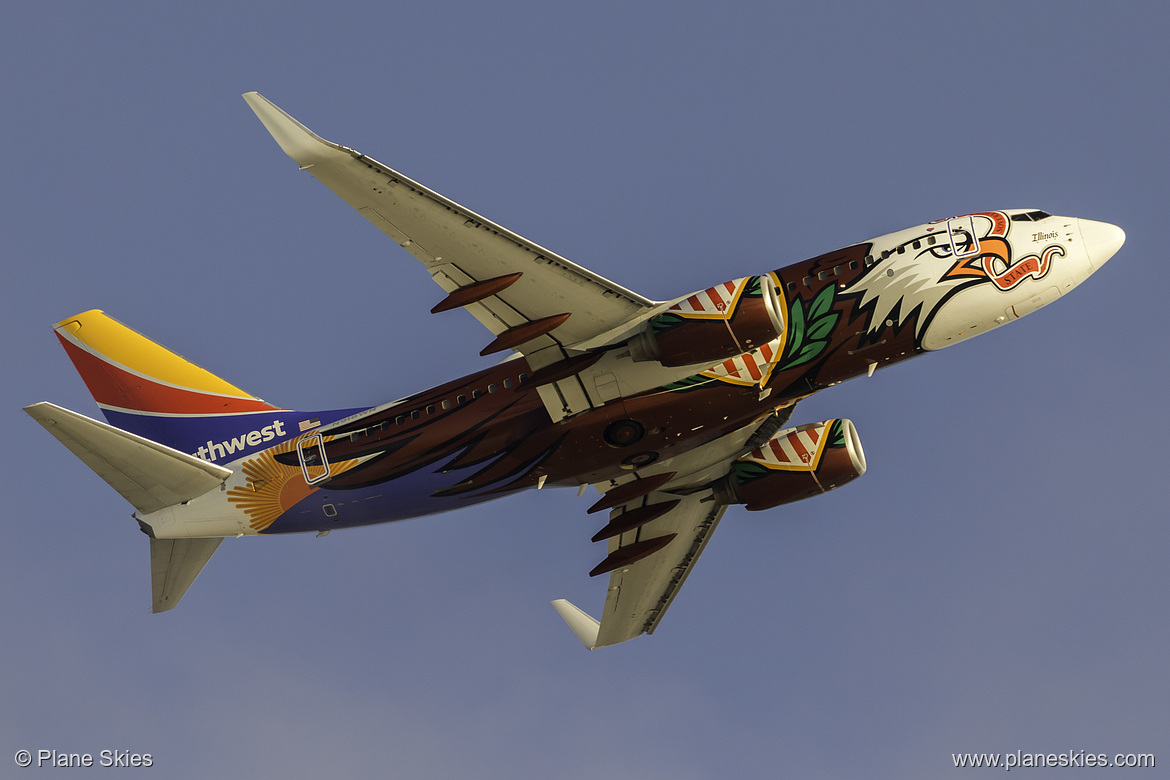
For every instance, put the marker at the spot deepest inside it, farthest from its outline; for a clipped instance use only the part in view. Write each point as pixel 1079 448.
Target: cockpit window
pixel 1030 216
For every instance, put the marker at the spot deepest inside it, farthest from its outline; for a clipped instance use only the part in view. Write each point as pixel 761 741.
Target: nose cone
pixel 1102 240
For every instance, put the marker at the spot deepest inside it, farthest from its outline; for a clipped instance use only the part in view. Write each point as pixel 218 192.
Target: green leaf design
pixel 837 434
pixel 809 334
pixel 809 352
pixel 822 328
pixel 795 327
pixel 666 321
pixel 822 303
pixel 746 471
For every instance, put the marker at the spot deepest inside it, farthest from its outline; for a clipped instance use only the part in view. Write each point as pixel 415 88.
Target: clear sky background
pixel 996 582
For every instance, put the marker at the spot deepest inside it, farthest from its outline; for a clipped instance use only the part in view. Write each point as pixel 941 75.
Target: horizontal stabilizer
pixel 174 565
pixel 583 625
pixel 149 475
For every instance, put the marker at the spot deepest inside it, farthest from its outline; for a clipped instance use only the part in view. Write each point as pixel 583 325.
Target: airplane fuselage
pixel 845 314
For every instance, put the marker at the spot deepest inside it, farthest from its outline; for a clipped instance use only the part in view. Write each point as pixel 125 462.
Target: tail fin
pixel 144 388
pixel 174 565
pixel 150 476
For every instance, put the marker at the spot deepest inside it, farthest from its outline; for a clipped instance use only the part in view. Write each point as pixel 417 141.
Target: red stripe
pixel 113 386
pixel 801 453
pixel 752 368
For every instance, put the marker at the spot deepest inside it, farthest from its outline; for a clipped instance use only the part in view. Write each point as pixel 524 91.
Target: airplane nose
pixel 1102 240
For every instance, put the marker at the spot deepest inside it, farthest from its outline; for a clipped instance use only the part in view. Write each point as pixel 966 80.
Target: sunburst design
pixel 273 488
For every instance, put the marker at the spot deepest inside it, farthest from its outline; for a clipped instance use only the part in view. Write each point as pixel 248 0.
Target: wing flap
pixel 640 593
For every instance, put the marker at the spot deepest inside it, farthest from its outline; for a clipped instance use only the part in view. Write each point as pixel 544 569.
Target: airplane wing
pixel 529 298
pixel 647 565
pixel 659 524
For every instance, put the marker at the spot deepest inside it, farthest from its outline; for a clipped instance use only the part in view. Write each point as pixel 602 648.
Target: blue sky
pixel 996 582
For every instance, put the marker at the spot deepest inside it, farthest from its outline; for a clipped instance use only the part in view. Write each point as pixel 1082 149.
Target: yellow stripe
pixel 113 340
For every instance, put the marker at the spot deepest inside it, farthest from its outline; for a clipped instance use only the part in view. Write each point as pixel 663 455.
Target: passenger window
pixel 508 382
pixel 461 399
pixel 493 387
pixel 446 404
pixel 431 409
pixel 476 393
pixel 399 420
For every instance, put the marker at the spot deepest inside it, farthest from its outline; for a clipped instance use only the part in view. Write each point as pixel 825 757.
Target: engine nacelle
pixel 714 324
pixel 796 464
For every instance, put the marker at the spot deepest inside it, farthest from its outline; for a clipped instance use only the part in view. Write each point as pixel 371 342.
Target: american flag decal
pixel 798 451
pixel 713 303
pixel 305 425
pixel 750 368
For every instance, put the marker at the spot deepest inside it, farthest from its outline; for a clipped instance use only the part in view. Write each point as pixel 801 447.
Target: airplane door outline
pixel 962 225
pixel 314 463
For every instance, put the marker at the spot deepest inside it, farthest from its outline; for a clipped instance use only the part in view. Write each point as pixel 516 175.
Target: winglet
pixel 297 141
pixel 584 626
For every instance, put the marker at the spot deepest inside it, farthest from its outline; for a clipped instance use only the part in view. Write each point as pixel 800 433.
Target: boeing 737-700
pixel 673 410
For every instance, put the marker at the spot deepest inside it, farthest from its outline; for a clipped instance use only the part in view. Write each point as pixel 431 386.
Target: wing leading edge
pixel 528 297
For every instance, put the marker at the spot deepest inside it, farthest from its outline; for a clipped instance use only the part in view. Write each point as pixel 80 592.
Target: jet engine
pixel 796 464
pixel 713 324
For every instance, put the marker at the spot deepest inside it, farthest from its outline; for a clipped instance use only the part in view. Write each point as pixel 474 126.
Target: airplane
pixel 673 410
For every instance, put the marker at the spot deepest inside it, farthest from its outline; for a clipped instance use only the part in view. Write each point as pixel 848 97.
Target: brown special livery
pixel 672 410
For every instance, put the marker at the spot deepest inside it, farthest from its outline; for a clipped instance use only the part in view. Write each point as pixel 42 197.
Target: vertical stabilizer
pixel 148 390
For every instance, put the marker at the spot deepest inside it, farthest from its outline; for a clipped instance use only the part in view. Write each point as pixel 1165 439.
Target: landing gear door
pixel 961 231
pixel 314 464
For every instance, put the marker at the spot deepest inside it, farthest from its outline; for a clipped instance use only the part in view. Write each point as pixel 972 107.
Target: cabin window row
pixel 869 261
pixel 449 403
pixel 446 403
